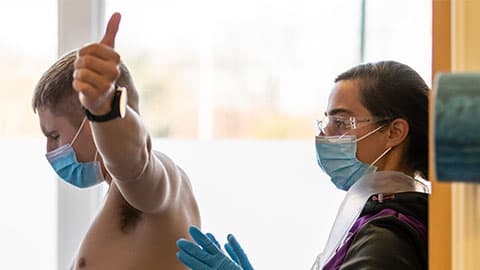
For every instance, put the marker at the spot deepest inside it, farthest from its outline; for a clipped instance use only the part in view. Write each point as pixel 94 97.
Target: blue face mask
pixel 64 161
pixel 337 157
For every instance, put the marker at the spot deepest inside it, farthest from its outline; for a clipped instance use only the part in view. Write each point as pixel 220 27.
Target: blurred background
pixel 229 89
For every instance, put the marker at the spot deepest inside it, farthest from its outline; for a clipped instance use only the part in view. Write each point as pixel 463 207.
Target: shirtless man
pixel 149 204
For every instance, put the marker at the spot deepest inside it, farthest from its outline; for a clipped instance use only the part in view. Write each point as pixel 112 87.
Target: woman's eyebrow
pixel 338 111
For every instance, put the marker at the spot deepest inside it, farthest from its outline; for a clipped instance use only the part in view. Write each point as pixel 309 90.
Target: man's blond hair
pixel 54 90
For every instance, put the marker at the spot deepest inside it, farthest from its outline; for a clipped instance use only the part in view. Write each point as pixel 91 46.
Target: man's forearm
pixel 122 144
pixel 149 184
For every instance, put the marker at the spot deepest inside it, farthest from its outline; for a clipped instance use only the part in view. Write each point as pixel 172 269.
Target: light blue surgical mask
pixel 337 157
pixel 64 161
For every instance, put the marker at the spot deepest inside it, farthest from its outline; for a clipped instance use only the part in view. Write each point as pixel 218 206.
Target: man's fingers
pixel 94 63
pixel 98 66
pixel 83 87
pixel 94 79
pixel 101 51
pixel 112 29
pixel 97 69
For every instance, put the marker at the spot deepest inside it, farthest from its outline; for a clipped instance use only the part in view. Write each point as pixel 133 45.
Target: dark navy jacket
pixel 393 235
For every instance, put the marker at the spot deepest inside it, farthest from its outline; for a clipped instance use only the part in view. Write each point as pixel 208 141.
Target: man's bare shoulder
pixel 181 176
pixel 122 237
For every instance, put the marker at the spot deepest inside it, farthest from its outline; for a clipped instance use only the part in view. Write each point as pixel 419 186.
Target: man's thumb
pixel 112 29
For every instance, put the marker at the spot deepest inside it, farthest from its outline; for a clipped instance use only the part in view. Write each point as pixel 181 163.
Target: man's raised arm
pixel 149 182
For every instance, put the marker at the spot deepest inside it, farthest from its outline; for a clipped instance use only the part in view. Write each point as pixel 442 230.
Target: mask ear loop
pixel 95 159
pixel 368 134
pixel 381 156
pixel 79 130
pixel 359 139
pixel 384 152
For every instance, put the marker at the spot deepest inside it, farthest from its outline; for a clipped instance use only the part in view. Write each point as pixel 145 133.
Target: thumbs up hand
pixel 96 70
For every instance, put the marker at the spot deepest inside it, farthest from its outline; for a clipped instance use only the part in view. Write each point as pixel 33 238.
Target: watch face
pixel 123 101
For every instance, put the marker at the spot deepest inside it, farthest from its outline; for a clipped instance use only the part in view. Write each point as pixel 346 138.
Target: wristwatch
pixel 119 107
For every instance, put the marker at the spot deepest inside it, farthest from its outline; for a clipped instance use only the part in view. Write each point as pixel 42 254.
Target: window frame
pixel 76 209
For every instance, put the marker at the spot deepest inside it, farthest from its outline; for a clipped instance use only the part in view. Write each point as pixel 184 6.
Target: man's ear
pixel 398 131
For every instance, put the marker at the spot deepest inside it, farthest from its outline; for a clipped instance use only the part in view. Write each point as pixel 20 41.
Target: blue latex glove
pixel 236 253
pixel 234 250
pixel 207 255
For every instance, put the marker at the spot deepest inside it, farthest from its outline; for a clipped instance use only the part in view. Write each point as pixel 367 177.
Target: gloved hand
pixel 234 250
pixel 207 256
pixel 236 253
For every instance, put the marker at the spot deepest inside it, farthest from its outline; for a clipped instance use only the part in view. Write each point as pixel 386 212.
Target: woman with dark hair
pixel 373 143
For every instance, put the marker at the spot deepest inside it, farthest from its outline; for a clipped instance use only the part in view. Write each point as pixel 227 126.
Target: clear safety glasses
pixel 335 125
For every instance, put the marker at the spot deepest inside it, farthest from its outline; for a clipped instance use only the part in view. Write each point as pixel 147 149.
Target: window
pixel 250 69
pixel 229 90
pixel 401 31
pixel 28 194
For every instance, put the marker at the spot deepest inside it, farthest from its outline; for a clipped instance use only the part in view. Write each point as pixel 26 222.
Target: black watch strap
pixel 114 113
